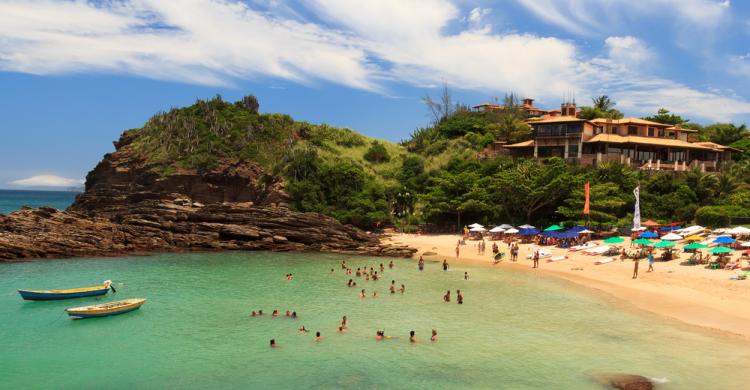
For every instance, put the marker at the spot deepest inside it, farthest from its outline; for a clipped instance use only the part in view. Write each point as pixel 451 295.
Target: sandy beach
pixel 691 294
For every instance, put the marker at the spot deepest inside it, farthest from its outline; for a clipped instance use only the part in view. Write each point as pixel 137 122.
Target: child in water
pixel 317 336
pixel 275 313
pixel 412 337
pixel 434 336
pixel 302 329
pixel 273 343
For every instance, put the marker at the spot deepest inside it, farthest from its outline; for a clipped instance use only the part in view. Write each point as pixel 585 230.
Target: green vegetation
pixel 435 176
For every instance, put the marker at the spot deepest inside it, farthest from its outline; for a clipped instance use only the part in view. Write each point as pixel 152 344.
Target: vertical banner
pixel 586 205
pixel 637 212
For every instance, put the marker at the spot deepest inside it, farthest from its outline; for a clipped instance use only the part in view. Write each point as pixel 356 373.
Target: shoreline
pixel 691 295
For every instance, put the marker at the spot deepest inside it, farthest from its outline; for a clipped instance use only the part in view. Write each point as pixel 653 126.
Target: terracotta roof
pixel 556 119
pixel 675 128
pixel 524 144
pixel 716 146
pixel 624 121
pixel 632 139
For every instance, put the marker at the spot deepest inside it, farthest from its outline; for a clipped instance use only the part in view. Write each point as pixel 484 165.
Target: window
pixel 632 130
pixel 650 131
pixel 661 133
pixel 597 130
pixel 573 150
pixel 614 130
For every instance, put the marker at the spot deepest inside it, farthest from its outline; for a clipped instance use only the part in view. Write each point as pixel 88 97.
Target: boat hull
pixel 31 295
pixel 107 309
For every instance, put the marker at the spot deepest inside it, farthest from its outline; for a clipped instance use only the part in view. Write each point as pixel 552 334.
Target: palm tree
pixel 603 102
pixel 704 184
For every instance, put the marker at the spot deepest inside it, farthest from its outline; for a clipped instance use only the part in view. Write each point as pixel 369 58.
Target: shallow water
pixel 515 330
pixel 12 200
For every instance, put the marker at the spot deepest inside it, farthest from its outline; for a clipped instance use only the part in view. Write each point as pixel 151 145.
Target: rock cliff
pixel 130 207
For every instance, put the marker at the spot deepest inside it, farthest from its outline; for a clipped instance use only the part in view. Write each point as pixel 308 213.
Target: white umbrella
pixel 586 231
pixel 505 226
pixel 497 229
pixel 671 237
pixel 745 244
pixel 478 229
pixel 739 230
pixel 511 231
pixel 642 228
pixel 718 231
pixel 527 227
pixel 475 225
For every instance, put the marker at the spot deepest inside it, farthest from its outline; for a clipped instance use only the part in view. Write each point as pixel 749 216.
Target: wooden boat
pixel 106 309
pixel 47 295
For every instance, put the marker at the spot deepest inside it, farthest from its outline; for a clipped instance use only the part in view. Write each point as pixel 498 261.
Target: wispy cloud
pixel 365 45
pixel 47 181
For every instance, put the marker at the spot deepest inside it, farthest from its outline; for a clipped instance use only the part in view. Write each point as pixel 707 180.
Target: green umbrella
pixel 720 249
pixel 554 228
pixel 614 240
pixel 642 241
pixel 695 245
pixel 664 244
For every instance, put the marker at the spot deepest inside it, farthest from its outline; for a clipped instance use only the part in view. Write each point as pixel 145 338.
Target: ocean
pixel 12 200
pixel 515 330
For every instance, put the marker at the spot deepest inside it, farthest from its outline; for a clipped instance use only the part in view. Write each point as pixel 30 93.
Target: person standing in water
pixel 390 264
pixel 412 337
pixel 402 289
pixel 445 265
pixel 362 294
pixel 433 338
pixel 318 337
pixel 392 289
pixel 447 296
pixel 273 343
pixel 466 275
pixel 459 297
pixel 344 323
pixel 420 264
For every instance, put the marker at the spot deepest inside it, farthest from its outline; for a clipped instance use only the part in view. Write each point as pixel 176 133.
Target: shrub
pixel 719 216
pixel 377 153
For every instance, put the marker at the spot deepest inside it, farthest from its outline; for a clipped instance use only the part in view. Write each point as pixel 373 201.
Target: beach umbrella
pixel 664 244
pixel 528 232
pixel 475 225
pixel 694 238
pixel 642 241
pixel 745 244
pixel 695 245
pixel 724 240
pixel 739 230
pixel 511 231
pixel 478 229
pixel 527 226
pixel 650 223
pixel 497 229
pixel 585 231
pixel 648 235
pixel 505 226
pixel 720 249
pixel 671 237
pixel 614 240
pixel 553 228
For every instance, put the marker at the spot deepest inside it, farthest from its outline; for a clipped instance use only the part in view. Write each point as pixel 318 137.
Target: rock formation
pixel 129 207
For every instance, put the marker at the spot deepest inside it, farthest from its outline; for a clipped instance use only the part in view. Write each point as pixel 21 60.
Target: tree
pixel 443 107
pixel 510 129
pixel 606 206
pixel 725 133
pixel 531 186
pixel 603 107
pixel 664 116
pixel 377 153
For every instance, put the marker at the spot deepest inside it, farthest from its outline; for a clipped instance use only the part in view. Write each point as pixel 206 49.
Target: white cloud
pixel 587 17
pixel 361 45
pixel 47 181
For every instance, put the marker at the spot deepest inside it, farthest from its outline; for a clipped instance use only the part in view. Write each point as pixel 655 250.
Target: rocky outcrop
pixel 130 207
pixel 625 381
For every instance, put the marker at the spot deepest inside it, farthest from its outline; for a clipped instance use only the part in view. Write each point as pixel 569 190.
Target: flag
pixel 637 212
pixel 586 194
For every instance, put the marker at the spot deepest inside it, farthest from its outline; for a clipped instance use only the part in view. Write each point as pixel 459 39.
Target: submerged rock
pixel 625 381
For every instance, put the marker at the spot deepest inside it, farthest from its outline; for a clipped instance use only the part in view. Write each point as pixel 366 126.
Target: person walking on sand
pixel 650 262
pixel 445 265
pixel 536 259
pixel 636 261
pixel 457 252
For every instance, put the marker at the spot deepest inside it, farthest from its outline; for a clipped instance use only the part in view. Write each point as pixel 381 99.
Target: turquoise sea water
pixel 12 200
pixel 516 330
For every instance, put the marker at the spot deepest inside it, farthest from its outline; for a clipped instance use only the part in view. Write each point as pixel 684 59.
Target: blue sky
pixel 75 74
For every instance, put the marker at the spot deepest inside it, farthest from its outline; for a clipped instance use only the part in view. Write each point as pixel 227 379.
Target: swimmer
pixel 390 264
pixel 375 276
pixel 343 264
pixel 367 277
pixel 349 283
pixel 392 289
pixel 317 336
pixel 433 338
pixel 459 297
pixel 379 335
pixel 374 294
pixel 260 312
pixel 412 337
pixel 362 293
pixel 344 322
pixel 302 329
pixel 358 273
pixel 294 315
pixel 445 265
pixel 332 271
pixel 382 268
pixel 466 276
pixel 447 296
pixel 253 314
pixel 420 264
pixel 275 313
pixel 288 313
pixel 342 329
pixel 402 289
pixel 273 343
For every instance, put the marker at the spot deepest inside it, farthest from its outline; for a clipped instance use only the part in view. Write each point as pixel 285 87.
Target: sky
pixel 75 74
